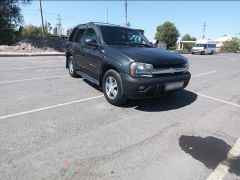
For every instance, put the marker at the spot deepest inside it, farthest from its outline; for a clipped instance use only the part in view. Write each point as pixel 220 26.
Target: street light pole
pixel 43 33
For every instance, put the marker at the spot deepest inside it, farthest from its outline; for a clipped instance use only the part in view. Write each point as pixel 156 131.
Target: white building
pixel 221 40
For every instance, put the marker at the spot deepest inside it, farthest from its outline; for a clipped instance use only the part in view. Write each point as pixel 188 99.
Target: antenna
pixel 107 15
pixel 126 20
pixel 59 25
pixel 204 29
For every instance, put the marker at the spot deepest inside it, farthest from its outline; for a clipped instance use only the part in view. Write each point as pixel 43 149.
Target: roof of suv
pixel 100 24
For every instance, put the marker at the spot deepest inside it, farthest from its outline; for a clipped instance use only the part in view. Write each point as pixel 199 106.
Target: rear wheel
pixel 71 67
pixel 112 88
pixel 211 53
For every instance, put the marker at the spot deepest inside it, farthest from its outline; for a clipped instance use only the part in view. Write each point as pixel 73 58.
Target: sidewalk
pixel 13 54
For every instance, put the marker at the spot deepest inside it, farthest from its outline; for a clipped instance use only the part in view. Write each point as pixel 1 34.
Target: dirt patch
pixel 38 45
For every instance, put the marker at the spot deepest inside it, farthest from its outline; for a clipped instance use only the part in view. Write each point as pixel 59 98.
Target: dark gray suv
pixel 123 62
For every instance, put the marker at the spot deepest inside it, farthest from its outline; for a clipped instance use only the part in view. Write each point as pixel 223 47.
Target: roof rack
pixel 102 23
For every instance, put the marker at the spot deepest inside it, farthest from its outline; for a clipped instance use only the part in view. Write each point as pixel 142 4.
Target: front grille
pixel 168 66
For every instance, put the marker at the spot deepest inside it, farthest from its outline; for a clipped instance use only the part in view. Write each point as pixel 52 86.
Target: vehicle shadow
pixel 210 151
pixel 164 103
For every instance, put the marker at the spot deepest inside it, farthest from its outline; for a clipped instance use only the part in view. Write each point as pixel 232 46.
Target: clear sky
pixel 221 17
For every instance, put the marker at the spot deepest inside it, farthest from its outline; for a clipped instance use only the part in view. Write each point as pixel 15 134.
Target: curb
pixel 32 54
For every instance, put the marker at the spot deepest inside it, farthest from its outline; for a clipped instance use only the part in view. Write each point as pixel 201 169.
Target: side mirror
pixel 91 42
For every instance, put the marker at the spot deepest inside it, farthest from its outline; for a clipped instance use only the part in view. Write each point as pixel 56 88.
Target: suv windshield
pixel 123 36
pixel 201 45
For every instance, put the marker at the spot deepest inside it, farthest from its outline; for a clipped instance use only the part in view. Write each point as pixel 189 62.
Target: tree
pixel 30 31
pixel 188 46
pixel 10 19
pixel 231 45
pixel 167 33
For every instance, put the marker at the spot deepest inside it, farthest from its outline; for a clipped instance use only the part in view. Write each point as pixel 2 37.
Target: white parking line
pixel 39 67
pixel 223 167
pixel 32 79
pixel 219 100
pixel 49 107
pixel 202 74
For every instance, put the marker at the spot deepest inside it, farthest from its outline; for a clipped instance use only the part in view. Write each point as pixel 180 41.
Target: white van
pixel 204 46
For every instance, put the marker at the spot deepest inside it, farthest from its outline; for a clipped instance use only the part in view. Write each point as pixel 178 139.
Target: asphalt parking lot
pixel 56 127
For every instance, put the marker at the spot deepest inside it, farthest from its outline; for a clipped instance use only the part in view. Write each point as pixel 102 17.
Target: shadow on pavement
pixel 164 103
pixel 210 151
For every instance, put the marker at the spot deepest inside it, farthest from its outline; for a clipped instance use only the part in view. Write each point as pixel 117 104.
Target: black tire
pixel 202 53
pixel 211 53
pixel 120 98
pixel 71 67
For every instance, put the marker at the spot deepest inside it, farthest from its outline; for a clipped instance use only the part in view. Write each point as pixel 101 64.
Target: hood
pixel 153 56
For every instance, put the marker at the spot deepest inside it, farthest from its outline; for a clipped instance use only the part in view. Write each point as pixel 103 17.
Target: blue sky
pixel 221 17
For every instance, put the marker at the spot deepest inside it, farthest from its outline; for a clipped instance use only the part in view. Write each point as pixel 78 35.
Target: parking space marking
pixel 49 107
pixel 219 100
pixel 39 67
pixel 33 79
pixel 202 74
pixel 223 167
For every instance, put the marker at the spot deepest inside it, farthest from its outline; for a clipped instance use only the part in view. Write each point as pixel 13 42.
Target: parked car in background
pixel 123 62
pixel 204 46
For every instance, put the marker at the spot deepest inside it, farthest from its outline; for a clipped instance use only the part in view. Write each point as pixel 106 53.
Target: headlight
pixel 141 69
pixel 186 65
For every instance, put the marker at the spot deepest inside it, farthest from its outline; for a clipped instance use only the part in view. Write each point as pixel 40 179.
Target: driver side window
pixel 90 34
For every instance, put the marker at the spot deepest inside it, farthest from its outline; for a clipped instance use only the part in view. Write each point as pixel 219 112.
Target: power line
pixel 204 29
pixel 59 25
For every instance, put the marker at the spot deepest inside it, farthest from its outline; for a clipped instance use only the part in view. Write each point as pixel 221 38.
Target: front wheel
pixel 113 89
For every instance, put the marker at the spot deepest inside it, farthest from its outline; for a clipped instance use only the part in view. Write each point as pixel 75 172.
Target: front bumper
pixel 133 87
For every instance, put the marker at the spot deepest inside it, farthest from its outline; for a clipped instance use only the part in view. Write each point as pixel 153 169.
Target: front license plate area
pixel 173 86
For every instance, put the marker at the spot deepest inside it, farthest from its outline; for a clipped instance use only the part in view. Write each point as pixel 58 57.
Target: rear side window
pixel 72 34
pixel 79 35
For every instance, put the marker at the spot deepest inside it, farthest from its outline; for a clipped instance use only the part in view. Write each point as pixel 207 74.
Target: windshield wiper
pixel 120 43
pixel 139 44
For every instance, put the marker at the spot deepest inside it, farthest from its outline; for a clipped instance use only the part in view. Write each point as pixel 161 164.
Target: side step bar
pixel 87 77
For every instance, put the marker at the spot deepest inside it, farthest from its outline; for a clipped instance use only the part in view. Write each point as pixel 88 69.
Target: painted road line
pixel 39 67
pixel 219 100
pixel 203 74
pixel 222 168
pixel 32 79
pixel 49 107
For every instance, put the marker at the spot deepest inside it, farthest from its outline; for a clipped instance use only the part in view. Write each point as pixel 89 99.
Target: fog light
pixel 142 88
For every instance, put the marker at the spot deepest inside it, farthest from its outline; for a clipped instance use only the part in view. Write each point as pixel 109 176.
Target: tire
pixel 71 68
pixel 202 53
pixel 113 88
pixel 211 53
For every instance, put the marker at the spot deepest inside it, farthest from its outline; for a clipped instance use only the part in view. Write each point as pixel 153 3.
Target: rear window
pixel 72 34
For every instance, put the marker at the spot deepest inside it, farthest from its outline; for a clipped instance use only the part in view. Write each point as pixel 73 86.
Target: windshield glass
pixel 122 36
pixel 201 45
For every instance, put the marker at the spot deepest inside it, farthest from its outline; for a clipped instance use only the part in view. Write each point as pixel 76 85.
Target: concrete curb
pixel 12 54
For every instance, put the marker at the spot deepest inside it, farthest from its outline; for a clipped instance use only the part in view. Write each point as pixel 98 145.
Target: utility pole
pixel 59 25
pixel 126 20
pixel 43 32
pixel 204 29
